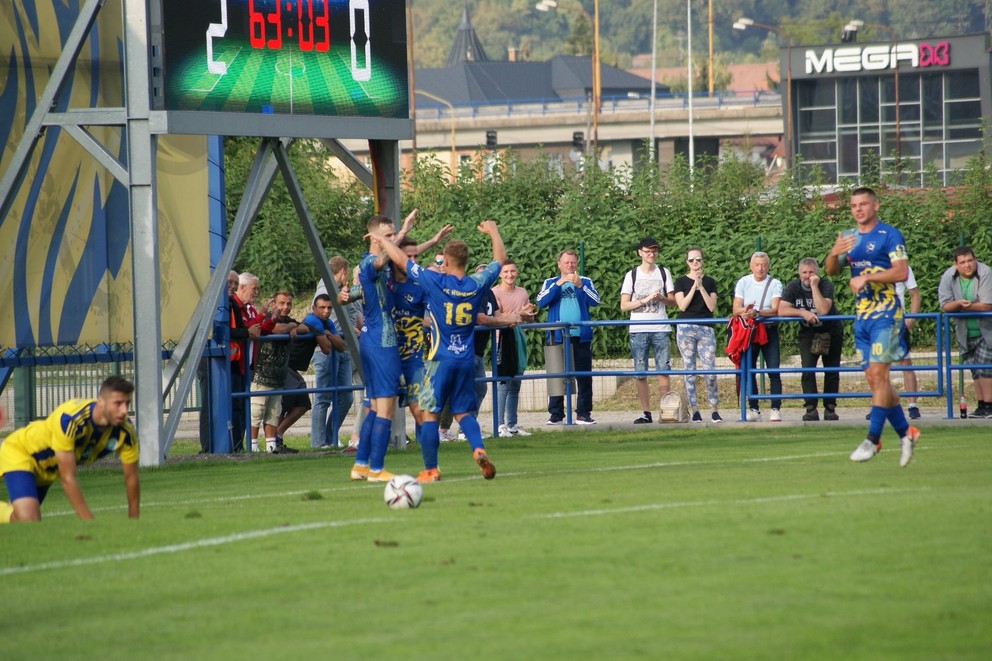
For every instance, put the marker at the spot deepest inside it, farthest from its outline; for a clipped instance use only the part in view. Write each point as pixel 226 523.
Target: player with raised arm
pixel 876 253
pixel 79 431
pixel 378 352
pixel 453 298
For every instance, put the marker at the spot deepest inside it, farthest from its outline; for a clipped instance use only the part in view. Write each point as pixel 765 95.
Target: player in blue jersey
pixel 79 431
pixel 409 307
pixel 876 253
pixel 379 353
pixel 453 299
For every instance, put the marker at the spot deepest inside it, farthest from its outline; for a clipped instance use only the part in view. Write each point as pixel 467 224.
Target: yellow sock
pixel 6 511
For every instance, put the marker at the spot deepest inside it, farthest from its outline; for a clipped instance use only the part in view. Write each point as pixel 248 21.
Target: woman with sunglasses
pixel 695 295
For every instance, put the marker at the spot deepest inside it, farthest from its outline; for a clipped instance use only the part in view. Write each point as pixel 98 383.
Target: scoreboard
pixel 303 68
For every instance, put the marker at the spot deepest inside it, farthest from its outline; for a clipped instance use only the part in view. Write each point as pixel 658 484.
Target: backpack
pixel 673 408
pixel 633 281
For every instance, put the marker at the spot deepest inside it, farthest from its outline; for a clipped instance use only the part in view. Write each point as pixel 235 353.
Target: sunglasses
pixel 694 259
pixel 439 261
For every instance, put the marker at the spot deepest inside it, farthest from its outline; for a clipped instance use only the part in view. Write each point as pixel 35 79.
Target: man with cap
pixel 645 292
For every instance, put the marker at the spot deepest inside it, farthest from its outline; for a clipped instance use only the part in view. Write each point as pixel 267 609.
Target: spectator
pixel 568 297
pixel 903 289
pixel 509 298
pixel 876 253
pixel 967 287
pixel 322 340
pixel 696 297
pixel 245 328
pixel 809 297
pixel 270 370
pixel 325 428
pixel 755 296
pixel 646 290
pixel 238 334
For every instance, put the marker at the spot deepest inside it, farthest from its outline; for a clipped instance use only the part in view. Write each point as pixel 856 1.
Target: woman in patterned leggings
pixel 695 294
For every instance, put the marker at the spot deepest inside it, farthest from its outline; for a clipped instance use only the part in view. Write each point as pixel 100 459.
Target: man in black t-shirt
pixel 810 297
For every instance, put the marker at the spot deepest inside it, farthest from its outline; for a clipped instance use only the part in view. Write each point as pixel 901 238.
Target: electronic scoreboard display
pixel 285 67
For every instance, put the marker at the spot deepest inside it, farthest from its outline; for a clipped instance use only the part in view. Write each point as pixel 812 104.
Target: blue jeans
pixel 642 345
pixel 325 430
pixel 508 396
pixel 770 351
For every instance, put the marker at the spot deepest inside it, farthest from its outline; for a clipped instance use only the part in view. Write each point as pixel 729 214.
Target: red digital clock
pixel 312 28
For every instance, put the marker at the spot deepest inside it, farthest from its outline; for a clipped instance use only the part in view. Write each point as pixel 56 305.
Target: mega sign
pixel 878 58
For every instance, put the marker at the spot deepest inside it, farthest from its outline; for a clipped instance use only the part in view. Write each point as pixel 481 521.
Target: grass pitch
pixel 675 543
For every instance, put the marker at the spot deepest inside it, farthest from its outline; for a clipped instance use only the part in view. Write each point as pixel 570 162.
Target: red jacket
pixel 743 333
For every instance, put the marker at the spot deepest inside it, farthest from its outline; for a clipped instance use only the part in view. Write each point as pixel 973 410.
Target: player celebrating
pixel 79 431
pixel 449 373
pixel 876 253
pixel 378 352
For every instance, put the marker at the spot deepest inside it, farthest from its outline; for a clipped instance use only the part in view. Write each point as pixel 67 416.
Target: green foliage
pixel 275 249
pixel 722 207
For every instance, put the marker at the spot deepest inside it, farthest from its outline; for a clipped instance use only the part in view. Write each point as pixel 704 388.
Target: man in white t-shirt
pixel 756 296
pixel 645 292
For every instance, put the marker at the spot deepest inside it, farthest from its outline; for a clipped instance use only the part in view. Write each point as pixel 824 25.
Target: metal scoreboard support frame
pixel 142 119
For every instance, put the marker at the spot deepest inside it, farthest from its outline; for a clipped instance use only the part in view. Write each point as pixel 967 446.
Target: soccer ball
pixel 403 492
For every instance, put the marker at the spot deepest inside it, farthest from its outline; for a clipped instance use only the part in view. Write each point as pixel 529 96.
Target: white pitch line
pixel 187 546
pixel 711 503
pixel 468 478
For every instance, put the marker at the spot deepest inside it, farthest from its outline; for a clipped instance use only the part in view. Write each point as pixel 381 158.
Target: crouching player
pixel 79 431
pixel 453 299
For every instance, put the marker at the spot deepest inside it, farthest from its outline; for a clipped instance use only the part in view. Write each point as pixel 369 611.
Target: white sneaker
pixel 517 430
pixel 776 416
pixel 865 451
pixel 907 444
pixel 462 436
pixel 505 432
pixel 445 435
pixel 753 415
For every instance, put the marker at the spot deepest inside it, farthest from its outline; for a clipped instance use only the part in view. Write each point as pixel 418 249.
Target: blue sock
pixel 897 418
pixel 365 439
pixel 876 423
pixel 381 429
pixel 429 442
pixel 470 426
pixel 418 429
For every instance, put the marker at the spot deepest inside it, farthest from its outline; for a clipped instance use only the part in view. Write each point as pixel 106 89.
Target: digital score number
pixel 312 57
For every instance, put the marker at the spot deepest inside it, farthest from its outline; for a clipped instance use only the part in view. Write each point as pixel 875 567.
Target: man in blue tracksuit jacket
pixel 568 297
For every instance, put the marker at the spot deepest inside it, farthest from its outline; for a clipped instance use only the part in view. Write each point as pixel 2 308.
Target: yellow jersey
pixel 68 428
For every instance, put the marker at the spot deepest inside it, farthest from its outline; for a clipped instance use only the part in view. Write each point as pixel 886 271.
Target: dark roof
pixel 466 47
pixel 561 77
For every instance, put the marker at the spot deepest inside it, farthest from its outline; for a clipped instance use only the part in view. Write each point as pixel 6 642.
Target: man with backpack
pixel 645 292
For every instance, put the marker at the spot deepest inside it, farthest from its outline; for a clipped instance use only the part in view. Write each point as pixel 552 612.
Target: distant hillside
pixel 625 26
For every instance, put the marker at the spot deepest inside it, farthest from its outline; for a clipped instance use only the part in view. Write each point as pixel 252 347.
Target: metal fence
pixel 34 382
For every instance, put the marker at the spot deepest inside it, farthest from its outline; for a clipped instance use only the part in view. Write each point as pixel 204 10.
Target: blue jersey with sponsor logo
pixel 409 303
pixel 873 252
pixel 377 303
pixel 452 305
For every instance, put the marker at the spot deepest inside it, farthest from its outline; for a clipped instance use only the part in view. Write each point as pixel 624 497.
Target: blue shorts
pixel 880 340
pixel 381 367
pixel 21 484
pixel 451 382
pixel 413 375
